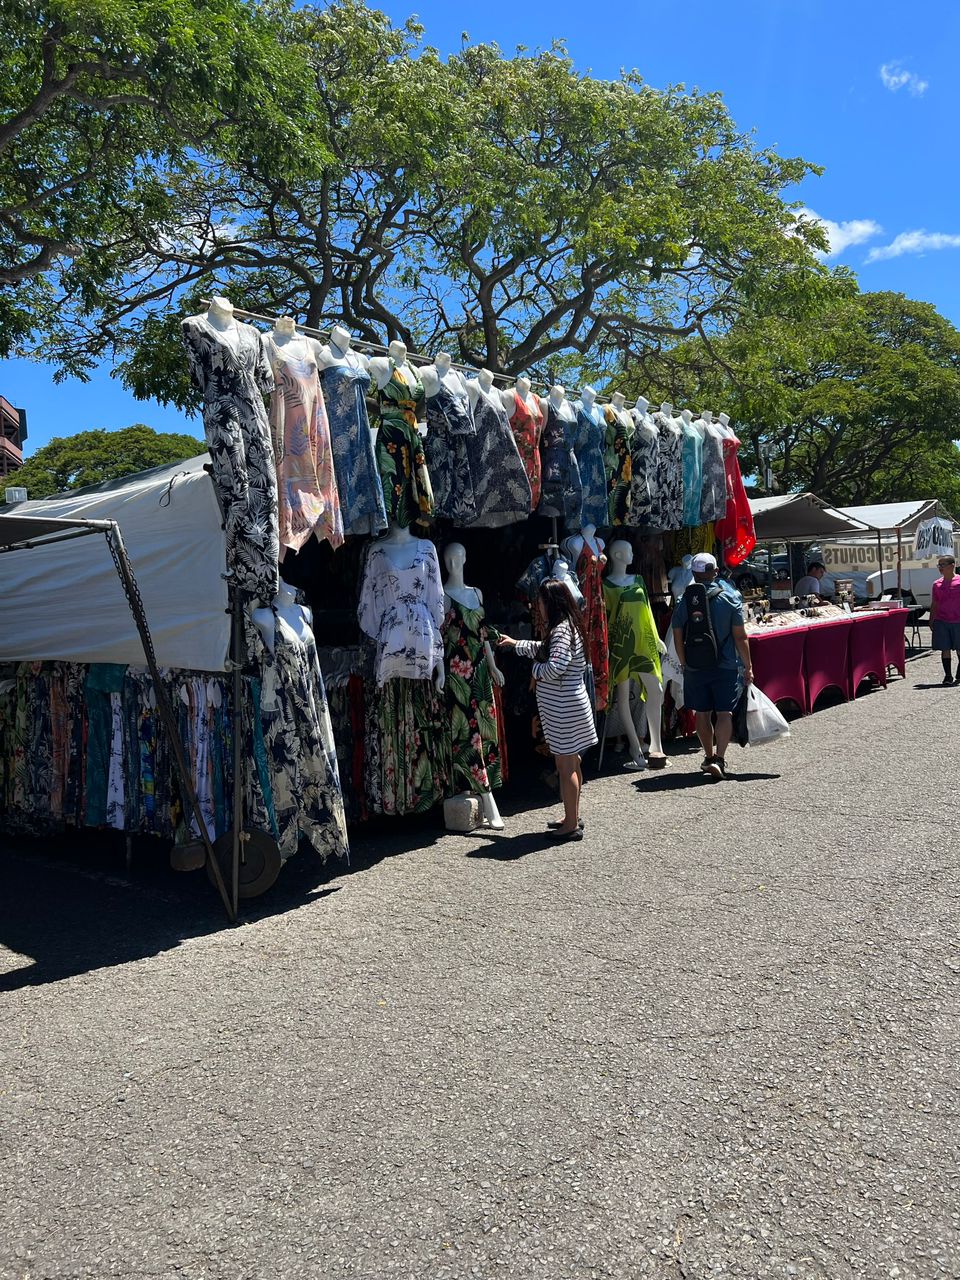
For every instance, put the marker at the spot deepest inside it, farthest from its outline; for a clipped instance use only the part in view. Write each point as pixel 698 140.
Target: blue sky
pixel 865 88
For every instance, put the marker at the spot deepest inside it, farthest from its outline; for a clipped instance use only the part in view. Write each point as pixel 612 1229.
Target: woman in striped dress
pixel 558 667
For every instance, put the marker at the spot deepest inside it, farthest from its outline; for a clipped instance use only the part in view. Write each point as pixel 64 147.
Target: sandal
pixel 552 826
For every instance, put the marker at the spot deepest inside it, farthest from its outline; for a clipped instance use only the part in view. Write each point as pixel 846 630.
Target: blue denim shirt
pixel 725 614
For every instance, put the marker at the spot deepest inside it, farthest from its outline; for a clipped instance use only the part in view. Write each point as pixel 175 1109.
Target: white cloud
pixel 913 242
pixel 895 78
pixel 841 235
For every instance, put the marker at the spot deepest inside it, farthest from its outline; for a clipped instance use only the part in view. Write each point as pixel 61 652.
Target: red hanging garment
pixel 735 531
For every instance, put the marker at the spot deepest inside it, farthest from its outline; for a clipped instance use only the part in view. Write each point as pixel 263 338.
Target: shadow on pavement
pixel 680 781
pixel 510 848
pixel 937 684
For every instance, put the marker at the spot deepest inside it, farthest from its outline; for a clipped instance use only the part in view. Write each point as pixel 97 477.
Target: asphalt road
pixel 718 1038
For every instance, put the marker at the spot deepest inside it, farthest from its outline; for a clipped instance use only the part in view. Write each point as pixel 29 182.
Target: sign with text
pixel 933 538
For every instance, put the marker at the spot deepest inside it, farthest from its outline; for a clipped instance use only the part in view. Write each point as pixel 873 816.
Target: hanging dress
pixel 562 701
pixel 670 474
pixel 588 447
pixel 634 641
pixel 618 464
pixel 692 474
pixel 501 490
pixel 238 436
pixel 345 387
pixel 589 568
pixel 306 480
pixel 561 492
pixel 644 512
pixel 713 500
pixel 526 423
pixel 407 491
pixel 735 531
pixel 471 707
pixel 449 423
pixel 402 610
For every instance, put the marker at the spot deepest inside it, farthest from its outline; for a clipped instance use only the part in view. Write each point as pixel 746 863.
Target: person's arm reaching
pixel 741 640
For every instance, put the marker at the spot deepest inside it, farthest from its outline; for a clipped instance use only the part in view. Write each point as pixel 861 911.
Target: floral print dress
pixel 471 705
pixel 306 479
pixel 526 423
pixel 618 464
pixel 501 490
pixel 358 482
pixel 561 492
pixel 589 569
pixel 692 474
pixel 644 510
pixel 401 609
pixel 237 431
pixel 670 473
pixel 401 461
pixel 589 448
pixel 634 640
pixel 713 499
pixel 449 423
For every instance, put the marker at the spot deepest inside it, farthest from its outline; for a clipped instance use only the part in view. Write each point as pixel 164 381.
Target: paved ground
pixel 717 1038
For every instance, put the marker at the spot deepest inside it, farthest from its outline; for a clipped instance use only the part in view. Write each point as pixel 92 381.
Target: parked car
pixel 754 571
pixel 916 586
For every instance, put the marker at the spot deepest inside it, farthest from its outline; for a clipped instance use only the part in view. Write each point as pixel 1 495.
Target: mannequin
pixel 561 571
pixel 297 617
pixel 220 315
pixel 339 351
pixel 380 365
pixel 573 545
pixel 385 621
pixel 432 375
pixel 620 557
pixel 454 559
pixel 558 402
pixel 482 384
pixel 641 409
pixel 670 468
pixel 725 427
pixel 619 403
pixel 586 553
pixel 692 460
pixel 399 544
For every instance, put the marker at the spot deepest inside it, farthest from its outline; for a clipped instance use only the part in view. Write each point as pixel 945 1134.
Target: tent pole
pixel 899 564
pixel 132 592
pixel 237 656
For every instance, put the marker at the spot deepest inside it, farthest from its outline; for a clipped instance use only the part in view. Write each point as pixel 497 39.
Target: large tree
pixel 862 406
pixel 91 457
pixel 102 104
pixel 508 208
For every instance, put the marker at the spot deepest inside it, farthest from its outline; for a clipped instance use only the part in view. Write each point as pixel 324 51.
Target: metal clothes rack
pixel 361 344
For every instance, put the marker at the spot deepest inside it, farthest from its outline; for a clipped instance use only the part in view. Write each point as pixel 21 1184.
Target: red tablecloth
pixel 800 663
pixel 778 665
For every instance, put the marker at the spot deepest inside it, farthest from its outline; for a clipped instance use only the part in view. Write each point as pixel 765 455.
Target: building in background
pixel 13 432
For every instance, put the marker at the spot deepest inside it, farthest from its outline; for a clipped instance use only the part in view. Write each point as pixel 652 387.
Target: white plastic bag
pixel 764 721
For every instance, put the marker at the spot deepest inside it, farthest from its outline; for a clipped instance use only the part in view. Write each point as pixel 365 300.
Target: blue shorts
pixel 715 690
pixel 946 635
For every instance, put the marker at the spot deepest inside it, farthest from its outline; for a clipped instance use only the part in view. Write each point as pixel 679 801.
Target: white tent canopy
pixel 889 517
pixel 64 601
pixel 801 517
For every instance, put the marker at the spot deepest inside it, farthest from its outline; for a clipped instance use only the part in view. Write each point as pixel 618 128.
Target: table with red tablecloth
pixel 801 663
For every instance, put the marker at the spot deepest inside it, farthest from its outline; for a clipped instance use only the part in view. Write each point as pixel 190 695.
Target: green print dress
pixel 634 642
pixel 617 461
pixel 401 461
pixel 471 710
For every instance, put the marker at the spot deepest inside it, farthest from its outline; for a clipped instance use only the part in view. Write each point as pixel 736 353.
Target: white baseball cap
pixel 703 562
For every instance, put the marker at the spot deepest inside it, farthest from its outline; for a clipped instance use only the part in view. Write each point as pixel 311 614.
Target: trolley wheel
pixel 259 862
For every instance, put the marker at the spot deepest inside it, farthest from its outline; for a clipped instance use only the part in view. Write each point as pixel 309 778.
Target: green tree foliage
pixel 103 103
pixel 861 406
pixel 508 208
pixel 90 457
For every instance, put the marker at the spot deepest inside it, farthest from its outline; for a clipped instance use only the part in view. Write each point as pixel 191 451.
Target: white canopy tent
pixel 63 599
pixel 801 517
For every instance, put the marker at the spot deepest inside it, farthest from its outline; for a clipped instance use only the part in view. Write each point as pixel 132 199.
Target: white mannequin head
pixel 557 393
pixel 222 307
pixel 442 363
pixel 485 378
pixel 667 409
pixel 285 327
pixel 618 400
pixel 724 419
pixel 522 387
pixel 588 396
pixel 687 416
pixel 620 555
pixel 398 351
pixel 707 416
pixel 455 557
pixel 642 405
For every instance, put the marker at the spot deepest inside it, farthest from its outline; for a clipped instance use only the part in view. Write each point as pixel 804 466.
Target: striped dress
pixel 562 699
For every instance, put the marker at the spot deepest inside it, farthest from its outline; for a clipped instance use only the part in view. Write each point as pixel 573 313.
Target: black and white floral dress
pixel 449 426
pixel 401 608
pixel 238 436
pixel 669 473
pixel 501 487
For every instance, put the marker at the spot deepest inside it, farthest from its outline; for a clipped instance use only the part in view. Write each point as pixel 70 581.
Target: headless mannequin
pixel 454 559
pixel 620 557
pixel 432 375
pixel 558 402
pixel 380 366
pixel 623 413
pixel 338 350
pixel 521 388
pixel 400 548
pixel 725 427
pixel 285 335
pixel 588 398
pixel 219 315
pixel 672 423
pixel 482 385
pixel 297 617
pixel 561 571
pixel 573 545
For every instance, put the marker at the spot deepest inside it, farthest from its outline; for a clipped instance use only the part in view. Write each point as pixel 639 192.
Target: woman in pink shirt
pixel 945 617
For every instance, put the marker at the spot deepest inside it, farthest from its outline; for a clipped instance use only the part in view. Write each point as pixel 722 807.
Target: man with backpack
pixel 714 652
